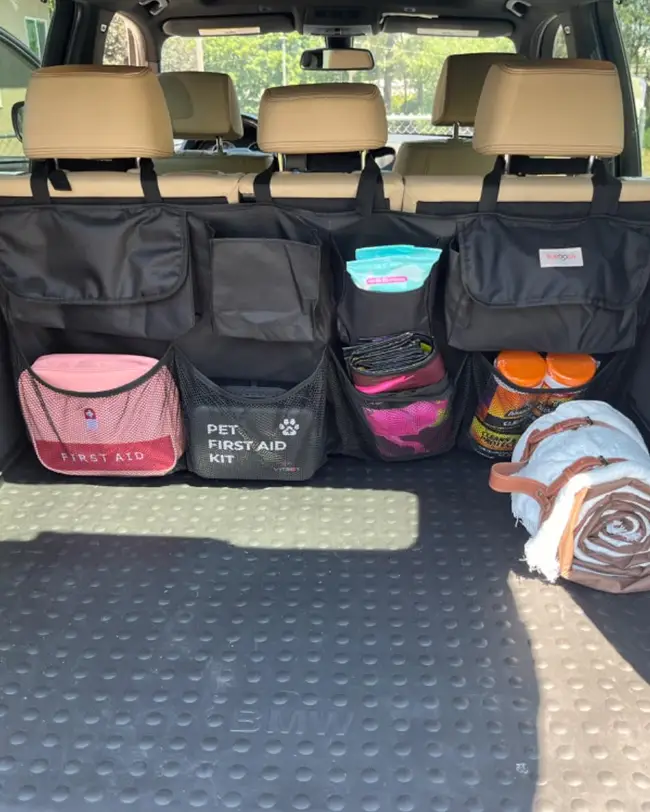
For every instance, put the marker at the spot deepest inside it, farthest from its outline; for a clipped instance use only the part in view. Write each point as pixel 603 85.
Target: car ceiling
pixel 343 13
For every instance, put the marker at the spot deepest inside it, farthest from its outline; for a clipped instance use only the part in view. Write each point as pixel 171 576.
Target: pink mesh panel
pixel 137 432
pixel 401 426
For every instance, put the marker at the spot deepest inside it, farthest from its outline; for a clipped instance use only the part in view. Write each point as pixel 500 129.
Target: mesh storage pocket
pixel 247 433
pixel 505 419
pixel 397 425
pixel 368 314
pixel 134 430
pixel 571 286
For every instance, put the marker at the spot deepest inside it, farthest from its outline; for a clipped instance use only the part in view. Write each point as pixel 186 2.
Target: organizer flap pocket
pixel 121 271
pixel 265 289
pixel 104 255
pixel 515 263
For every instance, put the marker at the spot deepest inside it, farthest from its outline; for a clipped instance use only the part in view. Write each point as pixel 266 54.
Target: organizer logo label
pixel 561 258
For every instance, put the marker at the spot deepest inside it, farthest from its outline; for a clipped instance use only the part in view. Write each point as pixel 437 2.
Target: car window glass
pixel 635 30
pixel 23 32
pixel 124 44
pixel 407 68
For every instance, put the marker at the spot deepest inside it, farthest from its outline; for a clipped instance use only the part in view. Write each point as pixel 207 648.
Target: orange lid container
pixel 570 370
pixel 522 368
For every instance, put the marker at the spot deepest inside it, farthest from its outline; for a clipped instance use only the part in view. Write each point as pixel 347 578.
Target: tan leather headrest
pixel 312 119
pixel 460 84
pixel 551 108
pixel 202 105
pixel 94 112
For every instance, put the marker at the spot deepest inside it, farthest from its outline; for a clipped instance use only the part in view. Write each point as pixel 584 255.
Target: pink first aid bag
pixel 103 415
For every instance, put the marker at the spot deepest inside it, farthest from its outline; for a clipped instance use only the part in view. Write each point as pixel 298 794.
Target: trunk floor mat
pixel 146 664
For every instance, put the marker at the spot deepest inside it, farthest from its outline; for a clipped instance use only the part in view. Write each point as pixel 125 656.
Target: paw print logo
pixel 289 427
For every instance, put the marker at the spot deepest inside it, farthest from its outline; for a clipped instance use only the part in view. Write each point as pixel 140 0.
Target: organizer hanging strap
pixel 43 174
pixel 491 186
pixel 607 190
pixel 370 191
pixel 262 183
pixel 149 181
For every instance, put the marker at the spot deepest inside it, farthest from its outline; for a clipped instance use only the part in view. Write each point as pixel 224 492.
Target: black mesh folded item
pixel 406 361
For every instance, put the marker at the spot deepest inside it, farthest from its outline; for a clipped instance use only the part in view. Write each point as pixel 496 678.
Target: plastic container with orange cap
pixel 567 377
pixel 506 406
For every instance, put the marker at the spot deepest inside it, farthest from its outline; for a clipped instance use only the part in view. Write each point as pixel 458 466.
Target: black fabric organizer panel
pixel 207 278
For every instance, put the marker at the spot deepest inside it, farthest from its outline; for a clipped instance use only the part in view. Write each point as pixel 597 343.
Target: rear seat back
pixel 99 113
pixel 552 108
pixel 455 104
pixel 204 106
pixel 319 119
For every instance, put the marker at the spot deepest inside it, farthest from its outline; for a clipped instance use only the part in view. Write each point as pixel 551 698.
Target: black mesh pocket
pixel 254 433
pixel 396 426
pixel 498 411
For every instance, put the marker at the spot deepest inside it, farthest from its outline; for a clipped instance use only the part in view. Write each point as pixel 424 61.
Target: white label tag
pixel 561 258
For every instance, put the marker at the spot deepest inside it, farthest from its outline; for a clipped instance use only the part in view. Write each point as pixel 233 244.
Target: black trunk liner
pixel 145 671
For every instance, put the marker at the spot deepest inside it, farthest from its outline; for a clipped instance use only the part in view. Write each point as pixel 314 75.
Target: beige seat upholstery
pixel 321 119
pixel 101 112
pixel 204 106
pixel 455 103
pixel 551 108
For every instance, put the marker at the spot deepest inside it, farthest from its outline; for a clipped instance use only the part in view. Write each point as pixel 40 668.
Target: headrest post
pixel 506 164
pixel 219 144
pixel 590 164
pixel 280 162
pixel 456 132
pixel 364 158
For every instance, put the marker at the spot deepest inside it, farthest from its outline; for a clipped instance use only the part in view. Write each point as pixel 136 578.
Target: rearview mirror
pixel 17 113
pixel 337 59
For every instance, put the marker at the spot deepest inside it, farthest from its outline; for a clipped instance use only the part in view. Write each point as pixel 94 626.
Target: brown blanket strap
pixel 504 479
pixel 572 424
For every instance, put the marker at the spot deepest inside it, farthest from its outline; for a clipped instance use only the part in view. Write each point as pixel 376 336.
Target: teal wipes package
pixel 392 268
pixel 397 250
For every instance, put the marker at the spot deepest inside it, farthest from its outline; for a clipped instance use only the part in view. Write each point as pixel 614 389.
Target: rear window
pixel 407 68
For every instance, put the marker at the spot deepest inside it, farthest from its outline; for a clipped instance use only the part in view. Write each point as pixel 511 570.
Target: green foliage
pixel 116 49
pixel 407 67
pixel 634 21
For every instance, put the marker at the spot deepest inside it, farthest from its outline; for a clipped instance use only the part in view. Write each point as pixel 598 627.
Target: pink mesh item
pixel 94 415
pixel 409 427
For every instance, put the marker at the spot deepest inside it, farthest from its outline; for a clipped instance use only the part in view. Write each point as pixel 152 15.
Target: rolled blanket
pixel 580 484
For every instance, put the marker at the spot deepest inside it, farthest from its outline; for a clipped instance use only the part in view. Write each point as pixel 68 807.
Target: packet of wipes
pixel 392 268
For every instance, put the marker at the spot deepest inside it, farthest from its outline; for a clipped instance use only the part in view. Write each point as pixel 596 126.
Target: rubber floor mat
pixel 181 672
pixel 325 513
